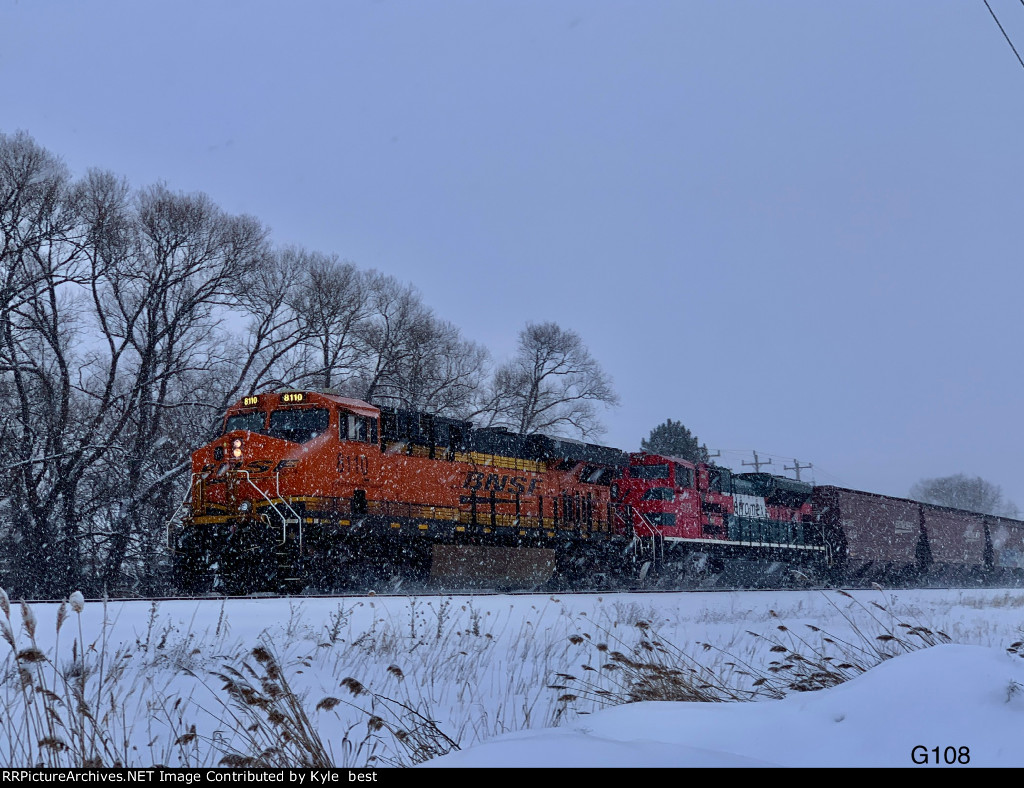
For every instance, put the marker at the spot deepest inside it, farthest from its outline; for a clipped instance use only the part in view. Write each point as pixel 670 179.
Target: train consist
pixel 309 491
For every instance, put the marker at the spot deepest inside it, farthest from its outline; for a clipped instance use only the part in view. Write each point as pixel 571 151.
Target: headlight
pixel 236 448
pixel 245 506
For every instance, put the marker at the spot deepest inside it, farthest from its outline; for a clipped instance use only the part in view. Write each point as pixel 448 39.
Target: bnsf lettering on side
pixel 517 485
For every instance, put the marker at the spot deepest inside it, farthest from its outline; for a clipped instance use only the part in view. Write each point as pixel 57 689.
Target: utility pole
pixel 758 463
pixel 796 466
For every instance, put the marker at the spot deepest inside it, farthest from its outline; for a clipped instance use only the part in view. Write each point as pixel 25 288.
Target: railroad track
pixel 429 592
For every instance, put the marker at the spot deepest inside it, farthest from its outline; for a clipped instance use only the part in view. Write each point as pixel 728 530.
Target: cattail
pixel 77 601
pixel 5 603
pixel 275 717
pixel 352 685
pixel 7 633
pixel 185 738
pixel 62 615
pixel 52 743
pixel 28 619
pixel 328 703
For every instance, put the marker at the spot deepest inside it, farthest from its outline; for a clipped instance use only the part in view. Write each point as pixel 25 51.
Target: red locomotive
pixel 312 491
pixel 701 520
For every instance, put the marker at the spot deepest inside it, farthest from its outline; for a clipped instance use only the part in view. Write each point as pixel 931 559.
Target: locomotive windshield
pixel 649 471
pixel 298 426
pixel 254 422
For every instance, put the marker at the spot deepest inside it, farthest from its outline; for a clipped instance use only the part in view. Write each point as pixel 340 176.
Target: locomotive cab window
pixel 254 422
pixel 358 428
pixel 660 494
pixel 298 426
pixel 719 479
pixel 684 476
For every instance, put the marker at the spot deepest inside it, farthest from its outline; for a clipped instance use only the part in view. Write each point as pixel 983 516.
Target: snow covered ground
pixel 951 704
pixel 521 681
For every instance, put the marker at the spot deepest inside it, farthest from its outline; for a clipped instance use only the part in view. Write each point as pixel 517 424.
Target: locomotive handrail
pixel 284 520
pixel 657 547
pixel 177 511
pixel 298 520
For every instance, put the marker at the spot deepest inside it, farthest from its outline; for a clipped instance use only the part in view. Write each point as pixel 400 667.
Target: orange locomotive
pixel 313 490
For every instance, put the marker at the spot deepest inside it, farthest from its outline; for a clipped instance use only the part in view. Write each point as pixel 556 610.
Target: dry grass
pixel 655 669
pixel 276 730
pixel 271 718
pixel 67 713
pixel 360 688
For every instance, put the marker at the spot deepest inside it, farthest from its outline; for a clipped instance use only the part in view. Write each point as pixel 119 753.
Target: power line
pixel 757 463
pixel 1007 37
pixel 798 467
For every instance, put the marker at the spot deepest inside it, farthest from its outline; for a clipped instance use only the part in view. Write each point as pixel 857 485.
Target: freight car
pixel 312 491
pixel 897 541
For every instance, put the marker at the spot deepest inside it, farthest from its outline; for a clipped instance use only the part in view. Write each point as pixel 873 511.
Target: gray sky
pixel 794 226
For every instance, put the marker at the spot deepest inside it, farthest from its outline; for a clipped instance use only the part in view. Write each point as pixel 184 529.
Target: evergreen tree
pixel 672 439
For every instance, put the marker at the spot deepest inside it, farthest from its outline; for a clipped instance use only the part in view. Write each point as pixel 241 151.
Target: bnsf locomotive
pixel 312 491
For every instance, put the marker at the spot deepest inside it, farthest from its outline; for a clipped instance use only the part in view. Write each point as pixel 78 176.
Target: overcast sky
pixel 794 226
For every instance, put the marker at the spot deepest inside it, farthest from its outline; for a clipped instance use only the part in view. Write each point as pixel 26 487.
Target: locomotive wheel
pixel 249 562
pixel 331 565
pixel 191 564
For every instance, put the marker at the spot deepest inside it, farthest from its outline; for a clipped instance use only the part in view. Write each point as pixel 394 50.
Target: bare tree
pixel 443 373
pixel 273 344
pixel 388 336
pixel 160 304
pixel 331 302
pixel 552 384
pixel 109 337
pixel 964 492
pixel 38 259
